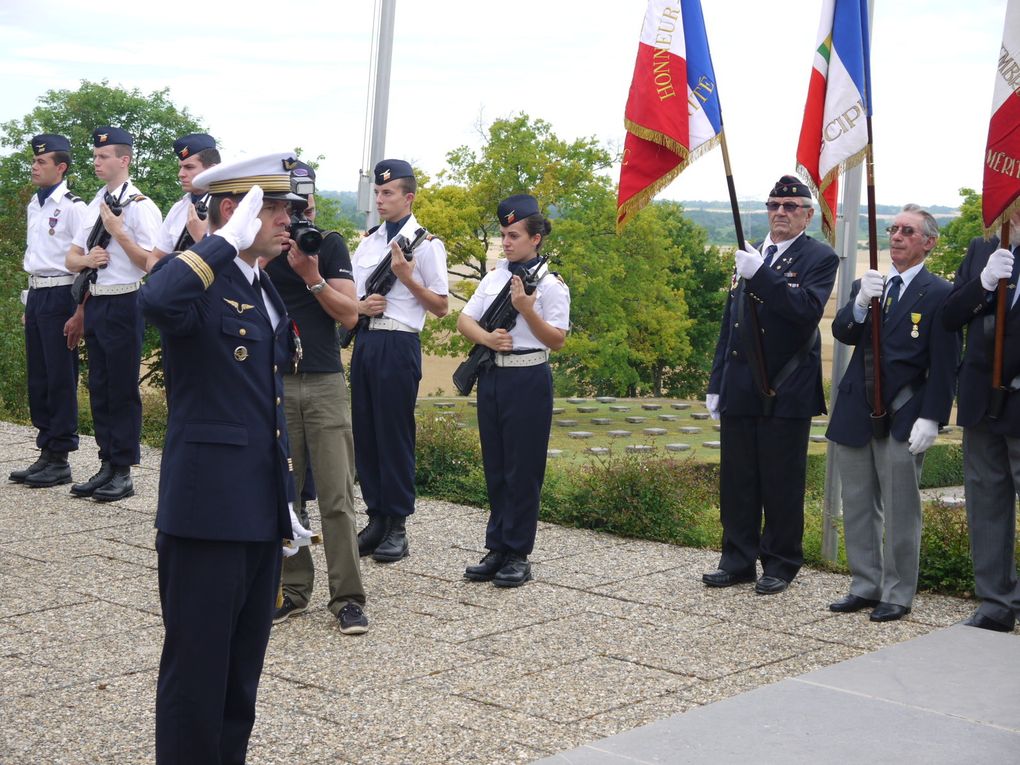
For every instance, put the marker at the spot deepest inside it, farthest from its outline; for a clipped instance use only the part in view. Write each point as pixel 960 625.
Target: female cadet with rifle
pixel 515 394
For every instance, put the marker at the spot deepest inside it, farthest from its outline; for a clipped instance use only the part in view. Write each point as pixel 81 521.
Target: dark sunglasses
pixel 787 206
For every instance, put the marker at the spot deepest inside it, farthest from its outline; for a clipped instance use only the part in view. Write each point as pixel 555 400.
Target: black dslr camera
pixel 302 230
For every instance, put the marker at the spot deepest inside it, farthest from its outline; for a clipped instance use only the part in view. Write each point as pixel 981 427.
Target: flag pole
pixel 998 398
pixel 879 416
pixel 757 350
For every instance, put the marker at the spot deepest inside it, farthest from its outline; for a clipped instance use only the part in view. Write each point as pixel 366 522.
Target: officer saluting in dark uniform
pixel 55 216
pixel 224 481
pixel 515 394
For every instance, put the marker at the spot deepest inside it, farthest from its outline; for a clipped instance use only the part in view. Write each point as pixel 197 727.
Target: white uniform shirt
pixel 552 304
pixel 174 224
pixel 142 220
pixel 429 271
pixel 52 227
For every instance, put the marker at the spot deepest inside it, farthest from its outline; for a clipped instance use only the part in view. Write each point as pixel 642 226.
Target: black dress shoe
pixel 514 572
pixel 487 567
pixel 888 612
pixel 119 487
pixel 101 478
pixel 723 578
pixel 770 585
pixel 373 533
pixel 55 473
pixel 851 603
pixel 394 545
pixel 983 622
pixel 19 476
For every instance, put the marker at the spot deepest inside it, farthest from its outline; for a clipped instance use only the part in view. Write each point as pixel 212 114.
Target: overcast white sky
pixel 270 76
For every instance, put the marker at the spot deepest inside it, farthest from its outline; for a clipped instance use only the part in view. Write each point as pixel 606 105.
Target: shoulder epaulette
pixel 136 198
pixel 371 230
pixel 74 199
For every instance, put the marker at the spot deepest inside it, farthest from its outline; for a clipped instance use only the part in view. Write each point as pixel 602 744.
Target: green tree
pixel 153 120
pixel 956 235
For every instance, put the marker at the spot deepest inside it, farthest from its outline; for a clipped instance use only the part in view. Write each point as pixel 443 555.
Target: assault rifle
pixel 185 240
pixel 98 237
pixel 382 279
pixel 500 314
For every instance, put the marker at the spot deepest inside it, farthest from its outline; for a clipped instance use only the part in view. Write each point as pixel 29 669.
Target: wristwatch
pixel 316 288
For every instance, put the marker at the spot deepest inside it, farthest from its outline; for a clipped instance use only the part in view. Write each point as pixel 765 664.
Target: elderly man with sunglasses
pixel 766 385
pixel 879 458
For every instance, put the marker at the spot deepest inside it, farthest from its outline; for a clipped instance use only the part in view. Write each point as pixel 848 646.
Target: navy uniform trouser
pixel 113 337
pixel 514 417
pixel 218 600
pixel 385 372
pixel 52 368
pixel 763 466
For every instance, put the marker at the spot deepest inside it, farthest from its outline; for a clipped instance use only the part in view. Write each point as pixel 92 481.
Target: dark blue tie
pixel 770 252
pixel 892 295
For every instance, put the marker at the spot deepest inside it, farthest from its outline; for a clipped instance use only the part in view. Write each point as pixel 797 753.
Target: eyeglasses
pixel 905 230
pixel 787 206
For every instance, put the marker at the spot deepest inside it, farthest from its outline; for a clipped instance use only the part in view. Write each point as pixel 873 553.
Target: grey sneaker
pixel 352 620
pixel 287 610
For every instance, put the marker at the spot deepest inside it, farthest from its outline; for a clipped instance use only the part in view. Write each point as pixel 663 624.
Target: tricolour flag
pixel 1001 192
pixel 673 112
pixel 834 134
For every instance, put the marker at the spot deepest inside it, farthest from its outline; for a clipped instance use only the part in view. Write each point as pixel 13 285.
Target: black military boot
pixel 487 567
pixel 394 545
pixel 515 572
pixel 118 487
pixel 99 479
pixel 370 536
pixel 19 476
pixel 55 473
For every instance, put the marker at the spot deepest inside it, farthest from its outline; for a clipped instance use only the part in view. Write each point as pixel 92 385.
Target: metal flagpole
pixel 377 105
pixel 846 248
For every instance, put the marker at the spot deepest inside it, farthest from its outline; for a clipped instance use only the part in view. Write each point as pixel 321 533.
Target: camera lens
pixel 308 239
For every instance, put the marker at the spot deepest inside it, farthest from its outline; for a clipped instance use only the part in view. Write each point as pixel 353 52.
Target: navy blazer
pixel 927 361
pixel 225 471
pixel 790 296
pixel 971 305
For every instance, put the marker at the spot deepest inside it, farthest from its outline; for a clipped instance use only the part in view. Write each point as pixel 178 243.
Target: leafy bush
pixel 449 460
pixel 945 551
pixel 943 466
pixel 666 500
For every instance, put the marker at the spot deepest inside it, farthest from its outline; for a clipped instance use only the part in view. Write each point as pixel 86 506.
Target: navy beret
pixel 107 134
pixel 391 169
pixel 188 145
pixel 47 142
pixel 790 186
pixel 515 208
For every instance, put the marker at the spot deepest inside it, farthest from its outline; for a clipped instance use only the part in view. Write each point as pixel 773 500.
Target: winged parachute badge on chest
pixel 239 307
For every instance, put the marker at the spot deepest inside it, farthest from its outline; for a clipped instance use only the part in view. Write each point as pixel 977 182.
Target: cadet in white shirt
pixel 386 364
pixel 515 392
pixel 113 322
pixel 51 338
pixel 186 222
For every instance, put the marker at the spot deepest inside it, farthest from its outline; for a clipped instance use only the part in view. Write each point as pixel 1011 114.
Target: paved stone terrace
pixel 613 634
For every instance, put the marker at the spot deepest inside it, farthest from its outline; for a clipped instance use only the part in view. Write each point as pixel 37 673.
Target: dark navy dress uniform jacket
pixel 927 362
pixel 225 470
pixel 970 305
pixel 790 296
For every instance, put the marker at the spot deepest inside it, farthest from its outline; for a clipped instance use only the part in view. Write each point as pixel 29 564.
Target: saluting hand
pixel 242 228
pixel 520 299
pixel 402 268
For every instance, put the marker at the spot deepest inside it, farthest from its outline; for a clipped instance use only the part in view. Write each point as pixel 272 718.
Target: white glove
pixel 1000 266
pixel 244 224
pixel 872 284
pixel 922 435
pixel 299 532
pixel 712 405
pixel 748 260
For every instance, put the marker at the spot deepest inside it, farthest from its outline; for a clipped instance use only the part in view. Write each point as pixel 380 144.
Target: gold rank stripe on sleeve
pixel 199 266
